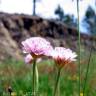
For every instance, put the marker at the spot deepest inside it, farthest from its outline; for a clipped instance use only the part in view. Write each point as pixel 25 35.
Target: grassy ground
pixel 18 76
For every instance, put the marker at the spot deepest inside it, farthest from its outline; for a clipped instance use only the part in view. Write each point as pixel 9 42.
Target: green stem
pixel 33 83
pixel 35 79
pixel 57 81
pixel 78 44
pixel 86 76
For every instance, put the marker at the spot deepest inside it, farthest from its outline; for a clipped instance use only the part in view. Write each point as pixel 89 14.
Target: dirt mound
pixel 15 28
pixel 8 47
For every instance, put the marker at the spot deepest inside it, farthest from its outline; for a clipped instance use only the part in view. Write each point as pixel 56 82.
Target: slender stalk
pixel 37 80
pixel 78 43
pixel 57 81
pixel 86 75
pixel 33 83
pixel 58 89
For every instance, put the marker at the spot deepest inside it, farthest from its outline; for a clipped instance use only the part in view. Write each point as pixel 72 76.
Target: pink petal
pixel 28 59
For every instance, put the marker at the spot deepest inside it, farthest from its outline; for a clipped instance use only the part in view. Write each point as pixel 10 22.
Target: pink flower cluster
pixel 37 47
pixel 63 56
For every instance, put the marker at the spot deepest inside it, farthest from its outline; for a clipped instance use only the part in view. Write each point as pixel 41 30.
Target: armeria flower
pixel 28 59
pixel 37 47
pixel 63 56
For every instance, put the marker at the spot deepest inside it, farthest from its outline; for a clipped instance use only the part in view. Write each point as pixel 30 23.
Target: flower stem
pixel 33 83
pixel 35 79
pixel 79 58
pixel 57 81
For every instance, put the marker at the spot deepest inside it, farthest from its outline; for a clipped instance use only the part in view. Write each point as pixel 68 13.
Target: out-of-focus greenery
pixel 68 19
pixel 18 76
pixel 90 20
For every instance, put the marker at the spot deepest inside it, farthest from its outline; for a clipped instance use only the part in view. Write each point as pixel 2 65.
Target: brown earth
pixel 15 28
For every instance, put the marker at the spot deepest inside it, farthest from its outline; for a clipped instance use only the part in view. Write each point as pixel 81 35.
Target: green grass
pixel 18 75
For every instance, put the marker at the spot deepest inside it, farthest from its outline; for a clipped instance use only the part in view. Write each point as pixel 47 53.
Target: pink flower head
pixel 28 59
pixel 63 56
pixel 37 47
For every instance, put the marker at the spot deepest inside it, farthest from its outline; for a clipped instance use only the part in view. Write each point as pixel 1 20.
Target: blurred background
pixel 55 20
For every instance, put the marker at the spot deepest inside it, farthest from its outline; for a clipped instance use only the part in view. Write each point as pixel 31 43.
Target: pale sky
pixel 45 8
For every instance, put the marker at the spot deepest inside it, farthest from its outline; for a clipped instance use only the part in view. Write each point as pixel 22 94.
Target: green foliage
pixel 59 11
pixel 70 20
pixel 19 76
pixel 66 18
pixel 90 20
